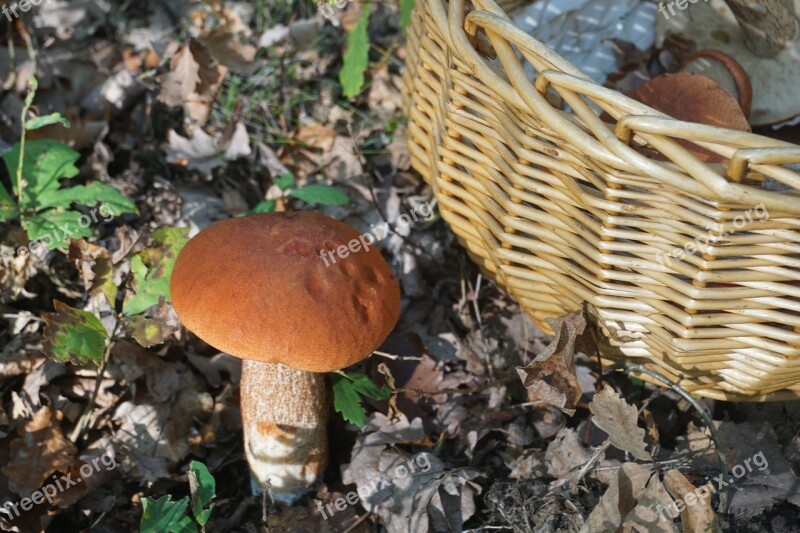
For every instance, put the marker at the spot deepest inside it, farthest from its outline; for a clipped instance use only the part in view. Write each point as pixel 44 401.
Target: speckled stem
pixel 769 26
pixel 285 416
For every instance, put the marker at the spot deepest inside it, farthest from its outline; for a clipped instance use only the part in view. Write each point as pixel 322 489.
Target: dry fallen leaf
pixel 551 376
pixel 617 418
pixel 205 153
pixel 226 49
pixel 316 136
pixel 179 83
pixel 409 492
pixel 212 75
pixel 630 504
pixel 565 454
pixel 40 450
pixel 699 516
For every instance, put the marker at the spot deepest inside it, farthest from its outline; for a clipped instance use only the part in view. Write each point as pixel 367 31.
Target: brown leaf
pixel 617 418
pixel 551 376
pixel 565 454
pixel 40 450
pixel 409 493
pixel 620 504
pixel 647 516
pixel 316 136
pixel 146 331
pixel 226 49
pixel 179 83
pixel 94 264
pixel 697 515
pixel 212 74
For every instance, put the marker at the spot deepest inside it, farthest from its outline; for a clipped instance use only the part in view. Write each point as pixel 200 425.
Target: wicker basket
pixel 561 208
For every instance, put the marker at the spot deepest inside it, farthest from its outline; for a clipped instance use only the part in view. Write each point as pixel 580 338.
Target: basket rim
pixel 635 121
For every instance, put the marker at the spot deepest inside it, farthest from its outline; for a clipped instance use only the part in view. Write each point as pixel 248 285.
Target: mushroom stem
pixel 284 416
pixel 769 26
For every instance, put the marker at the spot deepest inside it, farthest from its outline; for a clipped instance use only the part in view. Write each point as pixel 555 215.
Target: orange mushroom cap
pixel 257 288
pixel 693 98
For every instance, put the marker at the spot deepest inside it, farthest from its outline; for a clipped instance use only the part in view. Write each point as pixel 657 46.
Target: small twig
pixel 539 403
pixel 585 468
pixel 358 522
pixel 473 390
pixel 723 463
pixel 398 357
pixel 83 422
pixel 29 45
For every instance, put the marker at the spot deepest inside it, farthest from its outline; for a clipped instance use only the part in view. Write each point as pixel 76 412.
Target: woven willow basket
pixel 561 208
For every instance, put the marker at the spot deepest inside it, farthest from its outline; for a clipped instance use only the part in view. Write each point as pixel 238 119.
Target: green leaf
pixel 55 228
pixel 114 203
pixel 356 59
pixel 47 120
pixel 73 335
pixel 8 207
pixel 267 206
pixel 367 387
pixel 204 488
pixel 147 331
pixel 347 401
pixel 284 181
pixel 165 516
pixel 45 162
pixel 406 7
pixel 152 269
pixel 320 194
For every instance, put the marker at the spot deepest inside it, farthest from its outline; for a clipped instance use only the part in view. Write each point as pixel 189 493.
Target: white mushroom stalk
pixel 285 432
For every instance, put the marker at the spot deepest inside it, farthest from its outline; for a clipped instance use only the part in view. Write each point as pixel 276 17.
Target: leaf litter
pixel 198 111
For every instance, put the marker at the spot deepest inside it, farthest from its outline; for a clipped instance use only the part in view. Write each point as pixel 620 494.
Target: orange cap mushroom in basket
pixel 693 98
pixel 258 288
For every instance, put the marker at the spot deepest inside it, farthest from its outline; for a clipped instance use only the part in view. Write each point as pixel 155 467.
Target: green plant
pixel 348 389
pixel 42 204
pixel 356 58
pixel 315 194
pixel 166 516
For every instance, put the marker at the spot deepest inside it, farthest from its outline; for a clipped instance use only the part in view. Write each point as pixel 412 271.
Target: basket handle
pixel 742 159
pixel 599 142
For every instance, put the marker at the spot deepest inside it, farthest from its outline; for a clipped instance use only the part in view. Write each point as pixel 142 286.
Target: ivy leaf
pixel 406 7
pixel 166 516
pixel 320 195
pixel 152 269
pixel 73 335
pixel 47 120
pixel 45 163
pixel 284 181
pixel 347 401
pixel 203 487
pixel 55 228
pixel 356 59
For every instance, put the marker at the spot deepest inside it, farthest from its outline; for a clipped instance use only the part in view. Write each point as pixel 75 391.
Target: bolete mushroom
pixel 762 35
pixel 258 288
pixel 694 98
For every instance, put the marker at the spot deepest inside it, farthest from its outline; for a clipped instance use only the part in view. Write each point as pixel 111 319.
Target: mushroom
pixel 259 288
pixel 694 98
pixel 761 35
